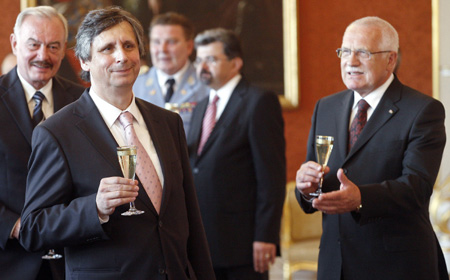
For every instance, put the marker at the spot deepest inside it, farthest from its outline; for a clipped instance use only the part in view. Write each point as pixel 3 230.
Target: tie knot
pixel 126 119
pixel 363 105
pixel 170 82
pixel 215 99
pixel 38 97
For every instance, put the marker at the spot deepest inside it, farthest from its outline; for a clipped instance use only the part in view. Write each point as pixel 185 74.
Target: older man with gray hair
pixel 29 94
pixel 388 143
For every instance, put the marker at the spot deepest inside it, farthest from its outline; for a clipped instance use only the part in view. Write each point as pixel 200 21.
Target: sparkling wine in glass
pixel 51 255
pixel 127 160
pixel 324 146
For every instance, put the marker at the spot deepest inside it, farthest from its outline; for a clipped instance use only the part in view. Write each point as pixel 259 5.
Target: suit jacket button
pixel 345 170
pixel 195 170
pixel 161 271
pixel 160 223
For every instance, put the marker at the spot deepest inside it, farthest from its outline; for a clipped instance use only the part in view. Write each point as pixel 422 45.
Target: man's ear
pixel 84 65
pixel 393 60
pixel 13 40
pixel 237 64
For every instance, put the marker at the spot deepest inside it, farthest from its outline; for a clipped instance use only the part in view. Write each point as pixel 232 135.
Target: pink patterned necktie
pixel 145 169
pixel 358 122
pixel 209 121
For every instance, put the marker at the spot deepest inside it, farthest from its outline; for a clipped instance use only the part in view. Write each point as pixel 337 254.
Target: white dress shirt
pixel 372 99
pixel 47 103
pixel 111 114
pixel 224 94
pixel 163 77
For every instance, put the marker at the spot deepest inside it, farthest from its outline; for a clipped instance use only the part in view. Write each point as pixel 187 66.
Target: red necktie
pixel 144 167
pixel 358 122
pixel 209 121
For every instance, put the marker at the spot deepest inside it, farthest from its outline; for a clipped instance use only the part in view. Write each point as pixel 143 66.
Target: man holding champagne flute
pixel 76 191
pixel 387 149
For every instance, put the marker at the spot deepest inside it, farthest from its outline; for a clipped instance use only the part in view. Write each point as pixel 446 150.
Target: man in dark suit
pixel 76 192
pixel 38 42
pixel 239 170
pixel 379 181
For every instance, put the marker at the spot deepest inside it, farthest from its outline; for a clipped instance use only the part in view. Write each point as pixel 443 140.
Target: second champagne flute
pixel 324 146
pixel 127 160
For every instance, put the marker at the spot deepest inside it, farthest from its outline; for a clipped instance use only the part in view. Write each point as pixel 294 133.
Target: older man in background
pixel 29 94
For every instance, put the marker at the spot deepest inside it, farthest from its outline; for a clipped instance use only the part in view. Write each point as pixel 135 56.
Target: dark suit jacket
pixel 394 163
pixel 72 151
pixel 15 148
pixel 240 176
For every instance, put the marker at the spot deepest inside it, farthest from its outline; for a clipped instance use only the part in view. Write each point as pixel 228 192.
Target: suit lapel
pixel 161 140
pixel 94 128
pixel 195 130
pixel 342 122
pixel 14 99
pixel 385 110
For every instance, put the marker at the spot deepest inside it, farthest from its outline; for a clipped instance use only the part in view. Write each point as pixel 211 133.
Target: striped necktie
pixel 209 121
pixel 358 122
pixel 38 115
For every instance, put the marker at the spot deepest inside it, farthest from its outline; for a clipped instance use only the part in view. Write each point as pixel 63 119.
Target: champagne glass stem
pixel 319 189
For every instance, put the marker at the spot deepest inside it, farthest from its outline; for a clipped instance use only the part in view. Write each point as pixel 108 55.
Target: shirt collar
pixel 163 77
pixel 110 113
pixel 225 92
pixel 30 90
pixel 375 96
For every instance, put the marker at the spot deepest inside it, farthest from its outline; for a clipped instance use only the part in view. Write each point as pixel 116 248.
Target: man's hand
pixel 347 199
pixel 263 255
pixel 113 192
pixel 308 177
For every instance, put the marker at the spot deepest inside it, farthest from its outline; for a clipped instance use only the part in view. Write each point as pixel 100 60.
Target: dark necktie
pixel 169 93
pixel 358 122
pixel 209 121
pixel 144 167
pixel 38 115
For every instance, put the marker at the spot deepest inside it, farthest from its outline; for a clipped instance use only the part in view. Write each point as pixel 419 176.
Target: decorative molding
pixel 291 96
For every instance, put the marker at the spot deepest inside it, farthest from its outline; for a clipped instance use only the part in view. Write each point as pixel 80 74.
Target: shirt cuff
pixel 13 229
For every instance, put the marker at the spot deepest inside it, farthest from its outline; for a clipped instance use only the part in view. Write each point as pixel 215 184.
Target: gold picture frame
pixel 291 97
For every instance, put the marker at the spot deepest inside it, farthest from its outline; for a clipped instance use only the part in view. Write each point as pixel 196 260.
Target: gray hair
pixel 229 39
pixel 41 12
pixel 96 22
pixel 390 40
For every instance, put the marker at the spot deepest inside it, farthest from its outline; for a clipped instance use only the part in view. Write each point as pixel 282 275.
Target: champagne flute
pixel 127 160
pixel 51 255
pixel 324 146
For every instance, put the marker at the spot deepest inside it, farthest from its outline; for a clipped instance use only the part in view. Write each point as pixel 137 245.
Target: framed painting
pixel 267 29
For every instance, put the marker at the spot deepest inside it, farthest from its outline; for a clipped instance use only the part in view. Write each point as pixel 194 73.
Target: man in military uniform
pixel 171 82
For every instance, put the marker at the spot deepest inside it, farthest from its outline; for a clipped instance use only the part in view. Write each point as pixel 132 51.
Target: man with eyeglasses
pixel 171 83
pixel 388 144
pixel 237 152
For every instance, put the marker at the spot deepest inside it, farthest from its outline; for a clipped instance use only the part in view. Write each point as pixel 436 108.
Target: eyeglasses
pixel 361 54
pixel 209 60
